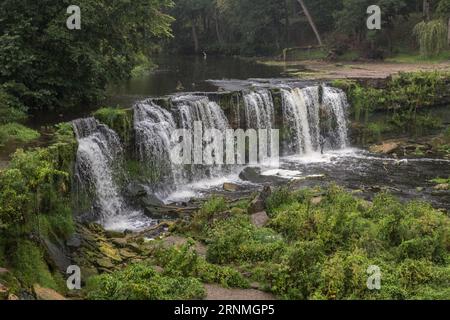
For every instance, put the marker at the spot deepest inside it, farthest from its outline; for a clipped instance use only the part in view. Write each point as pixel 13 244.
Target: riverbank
pixel 322 70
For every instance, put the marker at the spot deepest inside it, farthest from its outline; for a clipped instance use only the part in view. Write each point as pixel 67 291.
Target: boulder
pixel 57 254
pixel 316 200
pixel 46 293
pixel 259 219
pixel 142 195
pixel 385 148
pixel 74 242
pixel 258 204
pixel 3 292
pixel 105 263
pixel 442 187
pixel 254 175
pixel 231 187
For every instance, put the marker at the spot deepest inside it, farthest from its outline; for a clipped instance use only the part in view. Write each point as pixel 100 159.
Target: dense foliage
pixel 268 26
pixel 322 249
pixel 35 204
pixel 45 65
pixel 405 99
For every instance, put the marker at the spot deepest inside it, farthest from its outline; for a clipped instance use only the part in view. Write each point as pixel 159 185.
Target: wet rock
pixel 3 292
pixel 13 297
pixel 259 219
pixel 442 187
pixel 120 242
pixel 105 263
pixel 110 252
pixel 57 255
pixel 127 254
pixel 151 201
pixel 46 293
pixel 316 200
pixel 142 196
pixel 385 148
pixel 114 234
pixel 259 203
pixel 74 242
pixel 254 175
pixel 231 187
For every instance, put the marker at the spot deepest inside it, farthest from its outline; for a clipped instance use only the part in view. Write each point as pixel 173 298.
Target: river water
pixel 317 150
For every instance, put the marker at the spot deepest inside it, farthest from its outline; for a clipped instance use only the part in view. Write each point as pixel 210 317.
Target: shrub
pixel 14 132
pixel 142 282
pixel 185 262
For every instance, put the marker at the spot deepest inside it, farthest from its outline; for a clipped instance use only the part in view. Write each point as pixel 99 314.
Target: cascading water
pixel 259 110
pixel 316 119
pixel 195 108
pixel 99 153
pixel 260 114
pixel 191 109
pixel 315 125
pixel 336 102
pixel 153 127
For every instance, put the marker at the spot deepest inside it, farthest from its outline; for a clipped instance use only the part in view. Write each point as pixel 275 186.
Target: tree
pixel 311 21
pixel 46 65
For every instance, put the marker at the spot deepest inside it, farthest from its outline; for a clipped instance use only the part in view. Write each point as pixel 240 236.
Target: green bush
pixel 28 265
pixel 185 262
pixel 323 250
pixel 237 240
pixel 11 110
pixel 142 282
pixel 14 132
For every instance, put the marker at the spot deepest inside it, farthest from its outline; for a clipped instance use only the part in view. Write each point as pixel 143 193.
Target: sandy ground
pixel 216 292
pixel 370 70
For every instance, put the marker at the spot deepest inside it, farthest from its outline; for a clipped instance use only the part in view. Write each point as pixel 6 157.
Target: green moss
pixel 120 120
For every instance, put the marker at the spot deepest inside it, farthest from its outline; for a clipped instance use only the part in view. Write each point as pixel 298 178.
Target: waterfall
pixel 259 110
pixel 336 101
pixel 99 155
pixel 153 127
pixel 199 108
pixel 312 125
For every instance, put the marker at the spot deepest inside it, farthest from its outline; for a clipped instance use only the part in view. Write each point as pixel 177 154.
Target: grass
pixel 418 58
pixel 15 132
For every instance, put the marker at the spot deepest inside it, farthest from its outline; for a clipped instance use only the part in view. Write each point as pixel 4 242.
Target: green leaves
pixel 61 67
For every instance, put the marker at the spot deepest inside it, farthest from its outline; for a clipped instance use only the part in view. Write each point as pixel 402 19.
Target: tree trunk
pixel 286 12
pixel 448 32
pixel 426 10
pixel 195 37
pixel 216 18
pixel 311 21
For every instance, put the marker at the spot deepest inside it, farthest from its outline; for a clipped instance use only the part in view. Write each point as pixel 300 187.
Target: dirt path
pixel 310 69
pixel 215 292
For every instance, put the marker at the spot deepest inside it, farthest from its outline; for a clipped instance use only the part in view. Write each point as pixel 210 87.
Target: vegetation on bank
pixel 406 99
pixel 35 206
pixel 318 244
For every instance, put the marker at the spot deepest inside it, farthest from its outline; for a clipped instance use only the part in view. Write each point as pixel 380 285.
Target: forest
pixel 87 181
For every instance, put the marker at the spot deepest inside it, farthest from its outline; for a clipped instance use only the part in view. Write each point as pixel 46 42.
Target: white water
pixel 99 152
pixel 153 127
pixel 315 126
